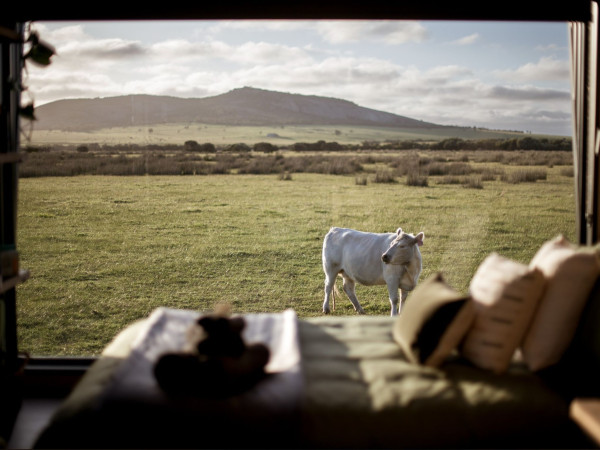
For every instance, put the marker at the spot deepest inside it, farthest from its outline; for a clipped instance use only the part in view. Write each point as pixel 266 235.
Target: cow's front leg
pixel 349 290
pixel 402 300
pixel 393 291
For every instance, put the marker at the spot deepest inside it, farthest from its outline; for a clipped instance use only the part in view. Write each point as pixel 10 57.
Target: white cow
pixel 371 258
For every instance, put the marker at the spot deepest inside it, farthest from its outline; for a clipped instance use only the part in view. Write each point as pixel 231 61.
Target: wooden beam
pixel 573 10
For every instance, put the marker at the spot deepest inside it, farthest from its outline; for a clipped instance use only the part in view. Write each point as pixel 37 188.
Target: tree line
pixel 522 143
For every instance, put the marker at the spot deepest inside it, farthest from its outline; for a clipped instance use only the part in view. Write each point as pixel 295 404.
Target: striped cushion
pixel 505 294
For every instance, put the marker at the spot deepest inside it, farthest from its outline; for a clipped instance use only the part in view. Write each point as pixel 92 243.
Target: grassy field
pixel 106 250
pixel 279 135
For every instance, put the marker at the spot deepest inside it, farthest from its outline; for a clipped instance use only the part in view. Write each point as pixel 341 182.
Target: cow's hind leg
pixel 349 286
pixel 329 288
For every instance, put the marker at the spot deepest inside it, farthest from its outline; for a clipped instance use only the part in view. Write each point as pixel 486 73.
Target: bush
pixel 238 148
pixel 384 176
pixel 416 180
pixel 449 179
pixel 567 172
pixel 207 147
pixel 490 175
pixel 285 176
pixel 191 146
pixel 525 176
pixel 473 182
pixel 453 168
pixel 265 147
pixel 263 165
pixel 361 180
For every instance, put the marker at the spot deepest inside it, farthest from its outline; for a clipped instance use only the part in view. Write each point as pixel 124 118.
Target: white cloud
pixel 107 49
pixel 548 48
pixel 267 53
pixel 527 93
pixel 61 35
pixel 72 43
pixel 546 69
pixel 259 25
pixel 336 31
pixel 390 32
pixel 69 84
pixel 467 40
pixel 182 49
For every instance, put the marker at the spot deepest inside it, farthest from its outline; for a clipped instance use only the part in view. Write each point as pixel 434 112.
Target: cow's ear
pixel 420 237
pixel 399 231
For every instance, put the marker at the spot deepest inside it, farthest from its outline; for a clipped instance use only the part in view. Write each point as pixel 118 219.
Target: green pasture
pixel 161 134
pixel 104 251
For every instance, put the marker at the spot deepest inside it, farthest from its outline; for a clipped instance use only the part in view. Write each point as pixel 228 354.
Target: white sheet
pixel 165 331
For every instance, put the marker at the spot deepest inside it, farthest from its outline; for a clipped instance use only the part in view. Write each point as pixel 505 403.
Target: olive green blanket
pixel 336 382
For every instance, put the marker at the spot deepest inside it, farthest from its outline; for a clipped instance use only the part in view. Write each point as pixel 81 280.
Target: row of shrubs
pixel 473 179
pixel 73 163
pixel 440 164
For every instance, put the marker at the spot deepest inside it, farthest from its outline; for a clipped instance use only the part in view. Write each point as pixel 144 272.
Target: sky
pixel 498 75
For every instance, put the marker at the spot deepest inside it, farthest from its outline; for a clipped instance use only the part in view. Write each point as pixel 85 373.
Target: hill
pixel 239 107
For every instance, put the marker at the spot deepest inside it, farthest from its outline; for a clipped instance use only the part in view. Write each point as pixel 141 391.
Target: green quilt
pixel 358 391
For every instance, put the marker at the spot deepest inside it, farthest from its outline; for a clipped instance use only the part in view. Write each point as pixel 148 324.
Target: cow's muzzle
pixel 385 258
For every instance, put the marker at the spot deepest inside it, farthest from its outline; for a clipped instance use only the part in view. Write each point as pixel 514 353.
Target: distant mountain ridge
pixel 243 106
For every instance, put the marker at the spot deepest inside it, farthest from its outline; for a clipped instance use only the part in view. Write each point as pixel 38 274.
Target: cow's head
pixel 403 248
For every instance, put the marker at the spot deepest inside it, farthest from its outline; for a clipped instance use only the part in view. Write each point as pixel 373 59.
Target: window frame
pixel 58 374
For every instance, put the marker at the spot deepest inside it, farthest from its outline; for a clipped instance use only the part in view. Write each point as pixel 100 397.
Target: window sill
pixel 52 377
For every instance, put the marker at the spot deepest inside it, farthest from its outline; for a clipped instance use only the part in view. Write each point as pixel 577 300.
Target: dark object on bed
pixel 218 362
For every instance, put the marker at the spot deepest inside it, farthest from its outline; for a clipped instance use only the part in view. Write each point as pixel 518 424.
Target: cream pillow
pixel 571 272
pixel 505 294
pixel 433 322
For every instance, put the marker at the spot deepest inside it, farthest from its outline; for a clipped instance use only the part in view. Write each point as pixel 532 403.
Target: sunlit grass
pixel 104 251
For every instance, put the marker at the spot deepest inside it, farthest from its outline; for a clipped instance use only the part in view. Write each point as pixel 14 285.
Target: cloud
pixel 527 93
pixel 183 49
pixel 69 84
pixel 61 35
pixel 259 25
pixel 442 74
pixel 268 53
pixel 336 31
pixel 546 69
pixel 71 42
pixel 467 40
pixel 389 32
pixel 107 49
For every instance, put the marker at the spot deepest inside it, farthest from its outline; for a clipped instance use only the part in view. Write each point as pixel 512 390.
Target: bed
pixel 354 382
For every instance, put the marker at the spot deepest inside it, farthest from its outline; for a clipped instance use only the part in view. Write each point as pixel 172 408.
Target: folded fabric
pixel 570 272
pixel 505 294
pixel 433 322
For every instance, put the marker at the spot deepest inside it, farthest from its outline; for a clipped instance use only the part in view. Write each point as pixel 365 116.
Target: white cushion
pixel 505 294
pixel 571 272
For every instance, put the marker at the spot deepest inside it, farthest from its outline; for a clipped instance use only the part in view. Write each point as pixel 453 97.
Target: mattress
pixel 333 382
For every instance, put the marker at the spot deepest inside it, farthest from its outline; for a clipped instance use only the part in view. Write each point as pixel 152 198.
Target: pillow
pixel 505 294
pixel 570 272
pixel 433 322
